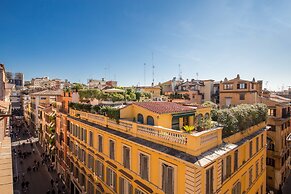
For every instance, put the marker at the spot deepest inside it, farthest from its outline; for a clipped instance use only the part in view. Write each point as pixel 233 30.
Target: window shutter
pixel 145 170
pixel 102 171
pixel 238 86
pixel 121 185
pixel 141 165
pixel 114 181
pixel 170 180
pixel 130 188
pixel 108 176
pixel 164 177
pixel 246 85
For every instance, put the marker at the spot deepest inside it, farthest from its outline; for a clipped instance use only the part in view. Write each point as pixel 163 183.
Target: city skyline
pixel 112 39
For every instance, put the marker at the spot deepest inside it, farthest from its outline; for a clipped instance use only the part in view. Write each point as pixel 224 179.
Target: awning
pixel 183 114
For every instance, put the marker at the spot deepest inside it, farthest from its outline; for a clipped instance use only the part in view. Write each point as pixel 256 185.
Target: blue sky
pixel 113 39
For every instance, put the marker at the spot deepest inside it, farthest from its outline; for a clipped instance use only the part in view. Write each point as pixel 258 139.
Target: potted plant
pixel 188 128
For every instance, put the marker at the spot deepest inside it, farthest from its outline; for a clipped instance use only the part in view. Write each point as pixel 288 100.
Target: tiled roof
pixel 48 93
pixel 164 107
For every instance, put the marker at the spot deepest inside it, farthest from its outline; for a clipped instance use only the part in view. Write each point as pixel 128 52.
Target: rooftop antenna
pixel 144 73
pixel 105 72
pixel 153 69
pixel 266 85
pixel 180 72
pixel 108 71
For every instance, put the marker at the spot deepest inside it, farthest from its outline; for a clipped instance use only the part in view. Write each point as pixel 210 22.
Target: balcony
pixel 286 115
pixel 193 143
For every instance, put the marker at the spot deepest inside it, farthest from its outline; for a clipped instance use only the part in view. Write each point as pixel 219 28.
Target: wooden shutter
pixel 145 168
pixel 130 189
pixel 114 181
pixel 121 185
pixel 170 182
pixel 108 176
pixel 164 177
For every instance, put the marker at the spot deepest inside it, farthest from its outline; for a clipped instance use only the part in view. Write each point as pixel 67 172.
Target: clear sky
pixel 113 39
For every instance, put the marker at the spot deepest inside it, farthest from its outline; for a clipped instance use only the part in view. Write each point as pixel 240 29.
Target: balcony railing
pixel 187 142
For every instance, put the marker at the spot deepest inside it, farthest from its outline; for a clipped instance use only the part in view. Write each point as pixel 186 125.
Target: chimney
pixel 237 76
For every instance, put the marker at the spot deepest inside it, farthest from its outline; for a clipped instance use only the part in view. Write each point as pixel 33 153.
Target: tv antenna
pixel 180 72
pixel 144 73
pixel 153 66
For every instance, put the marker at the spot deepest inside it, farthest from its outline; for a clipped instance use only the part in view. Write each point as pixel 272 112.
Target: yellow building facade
pixel 278 151
pixel 238 91
pixel 152 155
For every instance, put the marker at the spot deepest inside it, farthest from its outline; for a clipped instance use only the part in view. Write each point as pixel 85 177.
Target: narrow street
pixel 30 165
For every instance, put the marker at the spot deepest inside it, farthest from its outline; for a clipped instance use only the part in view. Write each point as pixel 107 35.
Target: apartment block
pixel 238 91
pixel 278 151
pixel 145 151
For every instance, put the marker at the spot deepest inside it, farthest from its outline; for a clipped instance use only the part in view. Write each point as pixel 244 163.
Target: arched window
pixel 140 118
pixel 150 120
pixel 206 117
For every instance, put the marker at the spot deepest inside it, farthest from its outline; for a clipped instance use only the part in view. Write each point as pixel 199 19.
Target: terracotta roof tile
pixel 164 107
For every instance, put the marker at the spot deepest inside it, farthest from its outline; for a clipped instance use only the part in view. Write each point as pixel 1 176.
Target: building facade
pixel 145 151
pixel 237 91
pixel 278 152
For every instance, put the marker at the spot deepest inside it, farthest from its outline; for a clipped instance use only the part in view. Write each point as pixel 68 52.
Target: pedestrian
pixel 33 150
pixel 23 175
pixel 26 183
pixel 52 182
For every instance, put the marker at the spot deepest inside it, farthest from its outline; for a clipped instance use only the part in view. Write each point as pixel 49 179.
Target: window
pixel 262 140
pixel 257 144
pixel 144 166
pixel 91 143
pixel 167 179
pixel 242 86
pixel 140 118
pixel 83 156
pixel 175 123
pixel 90 188
pixel 272 112
pixel 111 149
pixel 209 180
pixel 226 168
pixel 237 188
pixel 111 178
pixel 242 96
pixel 90 162
pixel 85 135
pixel 235 160
pixel 100 144
pixel 257 169
pixel 99 169
pixel 251 149
pixel 137 191
pixel 250 176
pixel 124 186
pixel 126 157
pixel 150 120
pixel 227 86
pixel 270 162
